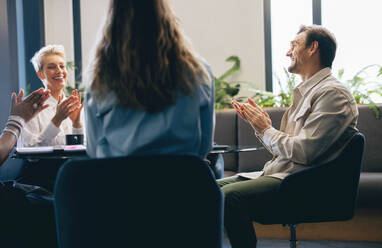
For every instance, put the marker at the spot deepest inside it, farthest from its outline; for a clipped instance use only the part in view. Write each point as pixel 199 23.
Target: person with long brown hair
pixel 148 92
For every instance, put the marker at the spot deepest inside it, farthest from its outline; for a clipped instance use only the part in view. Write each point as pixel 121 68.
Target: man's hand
pixel 31 106
pixel 253 114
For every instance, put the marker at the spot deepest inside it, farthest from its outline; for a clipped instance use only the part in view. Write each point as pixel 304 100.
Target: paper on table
pixel 251 175
pixel 75 148
pixel 48 149
pixel 38 149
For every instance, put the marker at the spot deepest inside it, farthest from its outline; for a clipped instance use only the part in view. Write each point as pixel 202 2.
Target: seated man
pixel 314 130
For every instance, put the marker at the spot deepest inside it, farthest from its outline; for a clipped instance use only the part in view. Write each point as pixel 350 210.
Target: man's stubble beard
pixel 291 68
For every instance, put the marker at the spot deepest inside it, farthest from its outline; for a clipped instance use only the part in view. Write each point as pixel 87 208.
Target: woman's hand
pixel 31 106
pixel 76 115
pixel 64 109
pixel 253 114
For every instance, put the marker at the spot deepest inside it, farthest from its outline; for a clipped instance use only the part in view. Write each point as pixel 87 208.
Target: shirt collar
pixel 106 104
pixel 304 87
pixel 51 100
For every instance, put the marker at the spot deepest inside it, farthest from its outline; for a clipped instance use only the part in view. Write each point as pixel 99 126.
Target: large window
pixel 356 25
pixel 286 18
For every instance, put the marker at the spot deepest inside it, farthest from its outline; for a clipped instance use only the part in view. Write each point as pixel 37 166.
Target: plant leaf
pixel 234 69
pixel 341 73
pixel 374 108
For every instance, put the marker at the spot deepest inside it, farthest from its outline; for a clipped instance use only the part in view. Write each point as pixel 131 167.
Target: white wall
pixel 93 14
pixel 59 27
pixel 221 28
pixel 216 28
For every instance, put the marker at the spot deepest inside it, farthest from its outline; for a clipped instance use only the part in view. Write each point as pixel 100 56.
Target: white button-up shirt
pixel 40 131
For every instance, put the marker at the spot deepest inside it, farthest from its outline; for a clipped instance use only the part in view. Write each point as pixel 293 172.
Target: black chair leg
pixel 293 241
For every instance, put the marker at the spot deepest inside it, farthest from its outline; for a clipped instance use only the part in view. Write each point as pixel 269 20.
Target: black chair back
pixel 153 201
pixel 326 192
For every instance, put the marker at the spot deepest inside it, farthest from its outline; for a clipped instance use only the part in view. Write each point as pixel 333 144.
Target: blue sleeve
pixel 207 115
pixel 90 123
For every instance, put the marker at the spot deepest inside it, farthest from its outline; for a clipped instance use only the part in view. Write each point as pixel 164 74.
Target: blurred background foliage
pixel 365 86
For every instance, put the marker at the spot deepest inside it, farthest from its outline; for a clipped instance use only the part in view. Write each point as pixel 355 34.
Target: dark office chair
pixel 150 201
pixel 321 193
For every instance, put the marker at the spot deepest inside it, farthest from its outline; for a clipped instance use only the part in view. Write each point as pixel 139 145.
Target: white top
pixel 40 131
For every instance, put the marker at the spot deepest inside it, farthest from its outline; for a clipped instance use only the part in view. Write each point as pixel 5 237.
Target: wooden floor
pixel 365 226
pixel 279 243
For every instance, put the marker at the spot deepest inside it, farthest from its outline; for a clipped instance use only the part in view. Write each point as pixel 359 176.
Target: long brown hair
pixel 143 57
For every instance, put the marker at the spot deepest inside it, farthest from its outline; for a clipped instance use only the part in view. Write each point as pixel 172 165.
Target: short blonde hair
pixel 44 51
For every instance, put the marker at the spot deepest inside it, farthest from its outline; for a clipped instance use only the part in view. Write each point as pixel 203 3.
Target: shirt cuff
pixel 50 132
pixel 267 136
pixel 78 130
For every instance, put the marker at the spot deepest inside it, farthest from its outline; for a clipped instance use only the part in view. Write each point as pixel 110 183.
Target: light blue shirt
pixel 185 128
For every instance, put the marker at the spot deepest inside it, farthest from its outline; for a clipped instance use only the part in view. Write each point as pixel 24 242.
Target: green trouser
pixel 247 201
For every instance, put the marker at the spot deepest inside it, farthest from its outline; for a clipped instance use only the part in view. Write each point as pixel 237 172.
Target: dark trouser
pixel 246 201
pixel 42 172
pixel 23 223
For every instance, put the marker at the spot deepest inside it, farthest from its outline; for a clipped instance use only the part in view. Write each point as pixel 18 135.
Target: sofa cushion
pixel 228 173
pixel 226 134
pixel 251 161
pixel 372 129
pixel 370 189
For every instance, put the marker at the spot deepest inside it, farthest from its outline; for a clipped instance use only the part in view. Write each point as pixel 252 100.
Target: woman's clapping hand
pixel 30 106
pixel 75 116
pixel 65 108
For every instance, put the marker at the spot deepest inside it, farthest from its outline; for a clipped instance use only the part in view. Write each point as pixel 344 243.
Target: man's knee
pixel 228 180
pixel 232 197
pixel 221 182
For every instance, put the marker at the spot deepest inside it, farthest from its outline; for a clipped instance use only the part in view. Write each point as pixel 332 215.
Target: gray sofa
pixel 231 129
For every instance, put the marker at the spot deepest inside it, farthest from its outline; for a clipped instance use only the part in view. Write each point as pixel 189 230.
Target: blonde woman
pixel 63 116
pixel 149 93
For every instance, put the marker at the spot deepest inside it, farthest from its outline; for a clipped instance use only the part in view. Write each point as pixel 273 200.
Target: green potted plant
pixel 226 90
pixel 282 99
pixel 363 86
